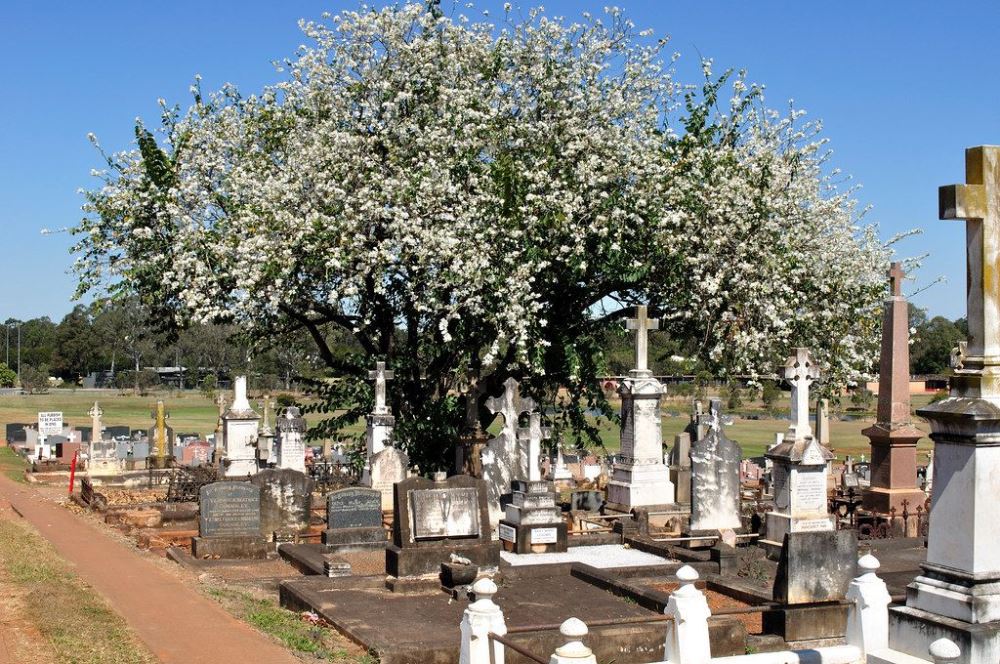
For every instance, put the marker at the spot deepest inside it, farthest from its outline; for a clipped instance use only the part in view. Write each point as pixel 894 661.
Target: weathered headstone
pixel 266 452
pixel 239 434
pixel 586 501
pixel 680 467
pixel 229 522
pixel 354 520
pixel 290 447
pixel 102 460
pixel 434 519
pixel 641 479
pixel 715 479
pixel 389 466
pixel 285 500
pixel 560 471
pixel 502 459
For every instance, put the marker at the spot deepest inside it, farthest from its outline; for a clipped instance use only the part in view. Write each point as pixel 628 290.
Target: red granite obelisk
pixel 893 437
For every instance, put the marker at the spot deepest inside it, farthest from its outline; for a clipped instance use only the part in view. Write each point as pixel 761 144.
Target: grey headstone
pixel 816 567
pixel 285 499
pixel 229 509
pixel 715 481
pixel 354 508
pixel 586 501
pixel 445 513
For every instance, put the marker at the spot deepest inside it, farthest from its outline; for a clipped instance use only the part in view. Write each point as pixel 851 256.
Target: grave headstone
pixel 388 467
pixel 266 452
pixel 434 519
pixel 641 479
pixel 680 467
pixel 290 446
pixel 354 520
pixel 715 479
pixel 533 522
pixel 586 501
pixel 285 500
pixel 800 464
pixel 503 460
pixel 239 434
pixel 229 522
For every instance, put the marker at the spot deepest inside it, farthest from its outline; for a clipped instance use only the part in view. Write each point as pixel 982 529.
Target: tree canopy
pixel 469 201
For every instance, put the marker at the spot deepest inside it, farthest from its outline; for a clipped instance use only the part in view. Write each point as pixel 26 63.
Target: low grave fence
pixel 485 636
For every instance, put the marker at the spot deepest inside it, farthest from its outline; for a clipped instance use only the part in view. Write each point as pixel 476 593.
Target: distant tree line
pixel 121 338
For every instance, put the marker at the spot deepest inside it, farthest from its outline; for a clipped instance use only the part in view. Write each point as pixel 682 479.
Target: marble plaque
pixel 811 525
pixel 508 533
pixel 809 492
pixel 229 509
pixel 444 513
pixel 544 536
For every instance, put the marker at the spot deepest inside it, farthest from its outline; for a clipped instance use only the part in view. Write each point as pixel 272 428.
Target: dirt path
pixel 174 621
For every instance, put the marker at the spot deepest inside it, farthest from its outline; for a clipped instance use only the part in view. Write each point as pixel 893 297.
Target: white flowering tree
pixel 469 201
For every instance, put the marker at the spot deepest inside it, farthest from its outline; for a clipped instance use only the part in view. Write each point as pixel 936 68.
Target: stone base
pixel 159 462
pixel 816 567
pixel 354 539
pixel 243 548
pixel 946 593
pixel 418 560
pixel 240 467
pixel 885 500
pixel 520 537
pixel 778 525
pixel 913 630
pixel 807 623
pixel 640 485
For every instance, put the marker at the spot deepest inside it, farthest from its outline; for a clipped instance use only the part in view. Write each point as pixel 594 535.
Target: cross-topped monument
pixel 95 422
pixel 380 375
pixel 896 276
pixel 800 372
pixel 642 324
pixel 532 436
pixel 978 203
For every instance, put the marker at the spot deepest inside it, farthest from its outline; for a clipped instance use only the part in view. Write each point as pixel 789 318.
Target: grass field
pixel 191 412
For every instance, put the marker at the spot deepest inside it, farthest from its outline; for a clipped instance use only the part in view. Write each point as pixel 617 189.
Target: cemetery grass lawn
pixel 11 464
pixel 311 642
pixel 76 624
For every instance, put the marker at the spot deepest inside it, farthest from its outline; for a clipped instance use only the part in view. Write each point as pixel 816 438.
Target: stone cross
pixel 800 372
pixel 978 203
pixel 95 423
pixel 380 375
pixel 533 435
pixel 896 276
pixel 642 324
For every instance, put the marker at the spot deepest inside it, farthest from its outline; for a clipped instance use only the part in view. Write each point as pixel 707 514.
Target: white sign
pixel 544 536
pixel 50 423
pixel 508 533
pixel 811 525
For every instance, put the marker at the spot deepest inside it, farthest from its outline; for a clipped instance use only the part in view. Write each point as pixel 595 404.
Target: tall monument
pixel 160 437
pixel 641 479
pixel 958 594
pixel 239 434
pixel 893 437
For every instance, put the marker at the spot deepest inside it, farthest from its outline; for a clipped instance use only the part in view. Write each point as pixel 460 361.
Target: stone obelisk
pixel 893 437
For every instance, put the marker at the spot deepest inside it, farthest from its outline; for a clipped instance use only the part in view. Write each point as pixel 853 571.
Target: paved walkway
pixel 176 623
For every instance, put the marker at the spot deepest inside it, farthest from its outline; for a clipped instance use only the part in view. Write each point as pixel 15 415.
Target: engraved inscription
pixel 444 513
pixel 229 509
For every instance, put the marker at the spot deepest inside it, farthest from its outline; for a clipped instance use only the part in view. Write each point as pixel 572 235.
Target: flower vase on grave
pixel 640 479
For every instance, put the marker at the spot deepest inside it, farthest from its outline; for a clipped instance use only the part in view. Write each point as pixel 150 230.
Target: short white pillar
pixel 480 618
pixel 868 615
pixel 573 651
pixel 687 635
pixel 944 651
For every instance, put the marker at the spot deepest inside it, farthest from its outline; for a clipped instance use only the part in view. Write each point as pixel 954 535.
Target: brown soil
pixel 718 602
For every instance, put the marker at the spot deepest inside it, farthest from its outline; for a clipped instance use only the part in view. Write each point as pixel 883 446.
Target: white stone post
pixel 687 636
pixel 944 651
pixel 573 651
pixel 868 615
pixel 480 618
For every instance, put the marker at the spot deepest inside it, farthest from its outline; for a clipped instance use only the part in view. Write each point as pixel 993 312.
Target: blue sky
pixel 902 87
